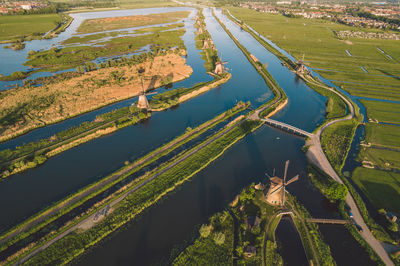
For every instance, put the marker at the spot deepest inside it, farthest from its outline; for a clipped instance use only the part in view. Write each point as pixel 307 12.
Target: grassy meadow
pixel 18 26
pixel 381 188
pixel 383 135
pixel 382 111
pixel 103 24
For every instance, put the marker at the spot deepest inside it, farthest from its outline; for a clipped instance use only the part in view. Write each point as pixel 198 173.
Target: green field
pixel 387 159
pixel 335 141
pixel 12 27
pixel 98 25
pixel 383 135
pixel 382 111
pixel 381 188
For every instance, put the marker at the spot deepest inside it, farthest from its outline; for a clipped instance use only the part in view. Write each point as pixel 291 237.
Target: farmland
pixel 20 26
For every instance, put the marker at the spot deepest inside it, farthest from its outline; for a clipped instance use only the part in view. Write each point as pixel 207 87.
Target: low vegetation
pixel 382 111
pixel 382 188
pixel 336 140
pixel 114 23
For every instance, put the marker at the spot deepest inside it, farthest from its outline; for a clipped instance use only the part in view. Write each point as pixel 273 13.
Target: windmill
pixel 142 102
pixel 276 192
pixel 301 68
pixel 219 66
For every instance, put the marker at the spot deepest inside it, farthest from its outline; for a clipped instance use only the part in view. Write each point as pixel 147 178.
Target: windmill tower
pixel 219 66
pixel 276 192
pixel 142 102
pixel 301 68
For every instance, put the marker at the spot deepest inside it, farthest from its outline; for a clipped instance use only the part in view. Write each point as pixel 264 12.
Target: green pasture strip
pixel 383 135
pixel 383 111
pixel 97 25
pixel 336 140
pixel 382 158
pixel 20 26
pixel 381 188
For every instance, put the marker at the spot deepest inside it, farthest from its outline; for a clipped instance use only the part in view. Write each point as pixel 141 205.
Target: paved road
pixel 317 156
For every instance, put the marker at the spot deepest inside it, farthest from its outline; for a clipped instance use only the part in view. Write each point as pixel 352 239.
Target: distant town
pixel 379 15
pixel 10 7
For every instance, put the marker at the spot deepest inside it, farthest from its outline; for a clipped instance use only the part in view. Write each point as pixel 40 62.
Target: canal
pixel 167 227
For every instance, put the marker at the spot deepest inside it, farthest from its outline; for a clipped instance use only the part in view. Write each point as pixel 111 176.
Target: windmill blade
pixel 276 189
pixel 292 180
pixel 286 167
pixel 273 173
pixel 267 175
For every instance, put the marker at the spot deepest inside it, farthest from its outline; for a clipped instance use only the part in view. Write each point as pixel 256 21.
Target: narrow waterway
pixel 164 229
pixel 289 243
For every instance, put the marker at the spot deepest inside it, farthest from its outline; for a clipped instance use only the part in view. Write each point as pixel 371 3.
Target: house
pixel 250 251
pixel 252 221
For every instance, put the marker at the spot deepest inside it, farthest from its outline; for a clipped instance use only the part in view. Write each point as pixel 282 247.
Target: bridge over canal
pixel 287 127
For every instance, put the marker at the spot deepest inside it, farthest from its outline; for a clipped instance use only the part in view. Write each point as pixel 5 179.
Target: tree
pixel 336 192
pixel 205 230
pixel 394 227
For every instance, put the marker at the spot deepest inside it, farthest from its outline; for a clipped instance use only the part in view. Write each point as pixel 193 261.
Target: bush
pixel 219 238
pixel 205 230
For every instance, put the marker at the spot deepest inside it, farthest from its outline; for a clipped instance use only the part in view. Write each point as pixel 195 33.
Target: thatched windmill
pixel 219 66
pixel 276 192
pixel 143 103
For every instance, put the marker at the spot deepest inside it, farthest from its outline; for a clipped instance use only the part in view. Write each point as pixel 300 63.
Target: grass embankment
pixel 27 27
pixel 184 167
pixel 35 153
pixel 66 96
pixel 114 23
pixel 20 233
pixel 280 97
pixel 174 97
pixel 204 42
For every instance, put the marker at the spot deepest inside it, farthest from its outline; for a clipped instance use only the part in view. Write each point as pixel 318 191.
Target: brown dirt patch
pixel 87 92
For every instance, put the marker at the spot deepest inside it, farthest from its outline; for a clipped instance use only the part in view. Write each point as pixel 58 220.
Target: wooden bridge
pixel 328 221
pixel 287 127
